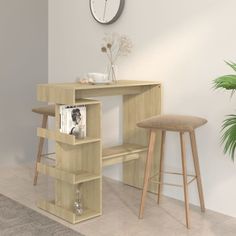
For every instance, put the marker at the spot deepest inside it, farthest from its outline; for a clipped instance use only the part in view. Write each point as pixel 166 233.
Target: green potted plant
pixel 228 138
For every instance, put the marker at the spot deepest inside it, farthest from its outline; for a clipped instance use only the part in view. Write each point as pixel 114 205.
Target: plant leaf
pixel 231 64
pixel 226 81
pixel 229 135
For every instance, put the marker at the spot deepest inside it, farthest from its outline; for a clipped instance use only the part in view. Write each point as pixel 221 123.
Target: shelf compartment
pixel 63 204
pixel 64 138
pixel 72 178
pixel 93 125
pixel 121 153
pixel 67 215
pixel 83 101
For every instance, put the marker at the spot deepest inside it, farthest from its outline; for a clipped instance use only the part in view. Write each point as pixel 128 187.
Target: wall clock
pixel 106 11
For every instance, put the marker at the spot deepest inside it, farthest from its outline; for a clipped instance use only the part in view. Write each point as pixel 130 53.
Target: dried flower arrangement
pixel 114 46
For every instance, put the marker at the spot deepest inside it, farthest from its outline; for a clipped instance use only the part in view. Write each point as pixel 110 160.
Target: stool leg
pixel 40 149
pixel 197 169
pixel 147 170
pixel 185 182
pixel 163 136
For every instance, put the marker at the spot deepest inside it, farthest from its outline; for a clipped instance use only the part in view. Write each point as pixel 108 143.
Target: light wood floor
pixel 120 210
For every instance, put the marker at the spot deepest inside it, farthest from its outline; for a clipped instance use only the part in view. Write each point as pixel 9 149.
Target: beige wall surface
pixel 23 64
pixel 180 43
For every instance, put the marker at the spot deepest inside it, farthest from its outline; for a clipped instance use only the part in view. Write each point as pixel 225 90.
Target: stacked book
pixel 73 120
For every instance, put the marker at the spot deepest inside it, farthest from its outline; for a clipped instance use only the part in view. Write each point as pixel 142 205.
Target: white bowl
pixel 98 77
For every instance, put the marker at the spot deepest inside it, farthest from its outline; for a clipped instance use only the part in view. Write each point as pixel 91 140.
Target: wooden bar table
pixel 79 162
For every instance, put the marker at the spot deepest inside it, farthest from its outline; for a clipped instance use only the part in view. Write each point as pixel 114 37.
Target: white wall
pixel 180 43
pixel 23 64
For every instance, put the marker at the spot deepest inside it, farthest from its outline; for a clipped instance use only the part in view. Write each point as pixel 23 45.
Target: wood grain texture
pixel 185 180
pixel 83 158
pixel 40 149
pixel 69 177
pixel 60 95
pixel 148 166
pixel 197 169
pixel 119 159
pixel 136 108
pixel 160 176
pixel 79 162
pixel 69 93
pixel 66 215
pixel 122 153
pixel 64 138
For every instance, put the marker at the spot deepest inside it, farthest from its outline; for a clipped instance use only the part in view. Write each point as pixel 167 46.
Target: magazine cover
pixel 73 120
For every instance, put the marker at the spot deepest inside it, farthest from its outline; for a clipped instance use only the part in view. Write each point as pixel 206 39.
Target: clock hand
pixel 105 8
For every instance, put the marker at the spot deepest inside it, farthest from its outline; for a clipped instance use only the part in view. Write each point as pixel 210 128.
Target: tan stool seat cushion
pixel 46 110
pixel 173 122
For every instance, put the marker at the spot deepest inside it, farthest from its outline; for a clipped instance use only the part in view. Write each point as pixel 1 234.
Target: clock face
pixel 106 11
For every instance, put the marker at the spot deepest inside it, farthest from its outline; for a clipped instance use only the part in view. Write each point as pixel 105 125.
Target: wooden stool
pixel 179 124
pixel 46 112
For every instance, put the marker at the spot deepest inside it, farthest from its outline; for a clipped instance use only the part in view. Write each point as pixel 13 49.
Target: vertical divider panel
pixel 136 108
pixel 84 157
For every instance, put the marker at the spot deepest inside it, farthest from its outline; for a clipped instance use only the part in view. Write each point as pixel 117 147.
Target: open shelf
pixel 63 204
pixel 64 138
pixel 67 215
pixel 72 178
pixel 121 153
pixel 83 101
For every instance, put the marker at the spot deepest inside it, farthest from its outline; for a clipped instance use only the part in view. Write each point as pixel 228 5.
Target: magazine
pixel 73 120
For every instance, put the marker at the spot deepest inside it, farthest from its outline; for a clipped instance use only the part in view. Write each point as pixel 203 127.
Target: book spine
pixel 61 120
pixel 64 129
pixel 83 122
pixel 65 119
pixel 70 123
pixel 62 108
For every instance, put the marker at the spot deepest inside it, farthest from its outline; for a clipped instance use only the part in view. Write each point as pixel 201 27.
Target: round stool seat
pixel 173 122
pixel 46 110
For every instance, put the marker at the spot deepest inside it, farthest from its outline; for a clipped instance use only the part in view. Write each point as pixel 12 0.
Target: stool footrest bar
pixel 195 177
pixel 171 173
pixel 170 184
pixel 48 154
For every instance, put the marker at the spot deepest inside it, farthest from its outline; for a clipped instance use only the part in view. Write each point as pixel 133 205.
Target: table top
pixel 69 93
pixel 118 84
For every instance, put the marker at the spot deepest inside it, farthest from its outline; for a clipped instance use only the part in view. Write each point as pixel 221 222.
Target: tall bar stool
pixel 181 124
pixel 46 111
